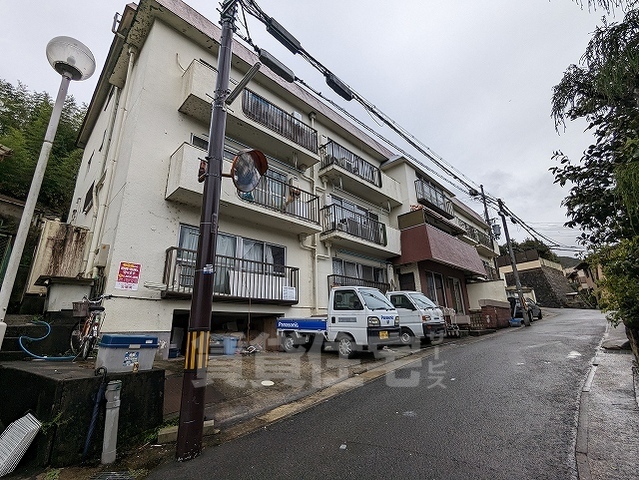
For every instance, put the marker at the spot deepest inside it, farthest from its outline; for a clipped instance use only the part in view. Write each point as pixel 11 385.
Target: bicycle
pixel 84 336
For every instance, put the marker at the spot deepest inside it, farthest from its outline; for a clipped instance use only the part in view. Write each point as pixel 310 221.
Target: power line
pixel 464 184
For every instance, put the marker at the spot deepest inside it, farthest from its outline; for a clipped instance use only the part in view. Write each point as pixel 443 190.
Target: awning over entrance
pixel 425 242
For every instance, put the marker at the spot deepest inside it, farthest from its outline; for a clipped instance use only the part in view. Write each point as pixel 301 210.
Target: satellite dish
pixel 247 169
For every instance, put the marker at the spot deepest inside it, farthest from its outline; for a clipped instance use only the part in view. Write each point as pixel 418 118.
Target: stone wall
pixel 550 285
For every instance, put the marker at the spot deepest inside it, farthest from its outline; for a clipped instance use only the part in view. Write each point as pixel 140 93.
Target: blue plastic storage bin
pixel 230 344
pixel 126 353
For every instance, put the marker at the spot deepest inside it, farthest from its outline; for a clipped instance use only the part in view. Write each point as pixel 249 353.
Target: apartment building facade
pixel 335 207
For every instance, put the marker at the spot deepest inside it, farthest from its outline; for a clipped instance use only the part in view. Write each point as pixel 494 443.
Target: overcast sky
pixel 470 79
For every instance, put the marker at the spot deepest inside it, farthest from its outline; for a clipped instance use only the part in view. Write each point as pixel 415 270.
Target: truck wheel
pixel 346 346
pixel 288 344
pixel 406 337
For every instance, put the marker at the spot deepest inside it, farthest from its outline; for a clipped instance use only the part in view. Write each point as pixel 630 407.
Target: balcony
pixel 358 176
pixel 344 281
pixel 432 197
pixel 483 243
pixel 355 231
pixel 273 203
pixel 251 119
pixel 236 279
pixel 422 241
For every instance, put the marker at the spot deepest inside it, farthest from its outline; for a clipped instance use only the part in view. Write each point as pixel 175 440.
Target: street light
pixel 74 61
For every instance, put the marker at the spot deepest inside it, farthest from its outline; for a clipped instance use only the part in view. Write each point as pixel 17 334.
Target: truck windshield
pixel 422 300
pixel 375 300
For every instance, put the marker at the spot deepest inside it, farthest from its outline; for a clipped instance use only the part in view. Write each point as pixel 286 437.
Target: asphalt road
pixel 502 406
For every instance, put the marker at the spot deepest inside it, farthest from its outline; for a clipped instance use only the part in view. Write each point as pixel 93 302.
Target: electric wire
pixel 465 184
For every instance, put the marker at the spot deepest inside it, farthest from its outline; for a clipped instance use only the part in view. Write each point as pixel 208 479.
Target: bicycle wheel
pixel 76 340
pixel 87 347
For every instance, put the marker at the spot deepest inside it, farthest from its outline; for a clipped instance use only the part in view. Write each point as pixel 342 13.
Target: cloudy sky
pixel 470 79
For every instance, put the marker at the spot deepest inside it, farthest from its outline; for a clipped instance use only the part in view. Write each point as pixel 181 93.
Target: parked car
pixel 532 306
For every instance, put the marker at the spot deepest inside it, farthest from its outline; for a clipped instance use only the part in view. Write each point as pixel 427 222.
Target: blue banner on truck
pixel 301 324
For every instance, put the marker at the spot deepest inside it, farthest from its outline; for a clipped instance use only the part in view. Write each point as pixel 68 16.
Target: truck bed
pixel 302 324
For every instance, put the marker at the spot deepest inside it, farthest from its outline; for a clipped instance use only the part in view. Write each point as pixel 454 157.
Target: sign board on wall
pixel 128 276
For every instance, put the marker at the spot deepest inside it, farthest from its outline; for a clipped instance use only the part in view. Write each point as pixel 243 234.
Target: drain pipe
pixel 96 187
pixel 111 417
pixel 110 172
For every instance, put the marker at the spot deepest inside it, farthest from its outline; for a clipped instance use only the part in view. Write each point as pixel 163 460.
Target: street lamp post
pixel 74 61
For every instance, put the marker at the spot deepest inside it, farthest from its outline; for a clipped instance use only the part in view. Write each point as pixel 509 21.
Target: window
pixel 435 288
pixel 88 199
pixel 357 270
pixel 456 292
pixel 200 141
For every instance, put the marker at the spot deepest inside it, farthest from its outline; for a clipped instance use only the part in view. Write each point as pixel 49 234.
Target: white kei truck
pixel 359 318
pixel 419 317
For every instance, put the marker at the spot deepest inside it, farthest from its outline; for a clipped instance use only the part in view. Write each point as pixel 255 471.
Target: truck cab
pixel 419 317
pixel 359 318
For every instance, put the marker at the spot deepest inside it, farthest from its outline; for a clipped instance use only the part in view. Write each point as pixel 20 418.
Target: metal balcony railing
pixel 235 278
pixel 344 281
pixel 274 118
pixel 434 198
pixel 476 234
pixel 285 198
pixel 337 218
pixel 335 154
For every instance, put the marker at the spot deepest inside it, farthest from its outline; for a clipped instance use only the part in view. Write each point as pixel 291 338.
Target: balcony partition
pixel 236 279
pixel 337 218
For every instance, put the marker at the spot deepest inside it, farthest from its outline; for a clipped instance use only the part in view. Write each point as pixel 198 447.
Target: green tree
pixel 24 117
pixel 542 249
pixel 603 199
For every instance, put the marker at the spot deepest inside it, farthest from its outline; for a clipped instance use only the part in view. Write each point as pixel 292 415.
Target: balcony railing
pixel 288 199
pixel 235 278
pixel 432 197
pixel 476 234
pixel 274 118
pixel 337 218
pixel 335 154
pixel 344 281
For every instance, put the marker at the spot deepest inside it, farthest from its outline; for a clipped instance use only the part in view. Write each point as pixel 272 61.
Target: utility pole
pixel 191 424
pixel 513 263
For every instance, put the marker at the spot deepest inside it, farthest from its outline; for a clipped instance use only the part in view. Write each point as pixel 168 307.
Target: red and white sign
pixel 128 276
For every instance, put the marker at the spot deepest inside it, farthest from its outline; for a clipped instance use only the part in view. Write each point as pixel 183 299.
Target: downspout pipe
pixel 110 169
pixel 96 186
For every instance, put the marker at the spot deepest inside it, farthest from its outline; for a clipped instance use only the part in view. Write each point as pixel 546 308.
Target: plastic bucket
pixel 230 344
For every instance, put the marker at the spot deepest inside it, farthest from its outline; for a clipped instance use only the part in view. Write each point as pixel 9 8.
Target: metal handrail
pixel 335 154
pixel 338 218
pixel 235 278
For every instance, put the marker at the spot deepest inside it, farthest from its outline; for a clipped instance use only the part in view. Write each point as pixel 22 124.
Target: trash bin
pixel 230 344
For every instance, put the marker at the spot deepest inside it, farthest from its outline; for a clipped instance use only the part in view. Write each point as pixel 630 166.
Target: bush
pixel 619 294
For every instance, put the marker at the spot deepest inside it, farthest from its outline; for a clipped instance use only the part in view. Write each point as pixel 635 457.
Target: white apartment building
pixel 335 207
